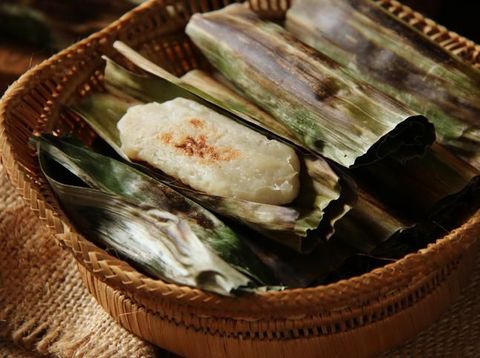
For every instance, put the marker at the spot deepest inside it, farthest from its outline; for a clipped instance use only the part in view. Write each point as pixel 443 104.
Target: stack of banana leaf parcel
pixel 312 150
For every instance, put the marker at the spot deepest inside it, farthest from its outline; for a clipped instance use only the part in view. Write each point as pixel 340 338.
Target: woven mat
pixel 45 309
pixel 43 304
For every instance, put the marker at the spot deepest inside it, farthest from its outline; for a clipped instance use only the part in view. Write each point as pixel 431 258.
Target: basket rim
pixel 384 281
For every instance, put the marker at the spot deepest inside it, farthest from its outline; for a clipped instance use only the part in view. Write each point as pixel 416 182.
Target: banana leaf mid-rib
pixel 398 59
pixel 331 113
pixel 160 231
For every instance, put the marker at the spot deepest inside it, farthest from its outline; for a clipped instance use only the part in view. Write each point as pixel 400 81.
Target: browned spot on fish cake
pixel 196 122
pixel 165 137
pixel 198 147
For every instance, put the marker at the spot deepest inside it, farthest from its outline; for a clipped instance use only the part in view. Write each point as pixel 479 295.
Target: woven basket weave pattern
pixel 34 104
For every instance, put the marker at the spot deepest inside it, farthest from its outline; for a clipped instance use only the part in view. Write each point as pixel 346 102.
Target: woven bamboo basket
pixel 362 316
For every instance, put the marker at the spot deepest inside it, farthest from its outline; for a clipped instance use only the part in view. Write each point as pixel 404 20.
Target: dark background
pixel 23 44
pixel 461 16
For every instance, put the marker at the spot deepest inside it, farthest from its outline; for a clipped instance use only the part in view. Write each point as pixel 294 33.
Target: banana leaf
pixel 331 113
pixel 444 220
pixel 369 226
pixel 440 193
pixel 400 60
pixel 370 223
pixel 296 270
pixel 162 244
pixel 300 225
pixel 429 184
pixel 369 235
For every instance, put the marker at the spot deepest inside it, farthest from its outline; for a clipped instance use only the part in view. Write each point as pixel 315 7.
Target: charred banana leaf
pixel 429 184
pixel 398 59
pixel 445 219
pixel 370 223
pixel 331 113
pixel 302 270
pixel 162 244
pixel 368 226
pixel 299 225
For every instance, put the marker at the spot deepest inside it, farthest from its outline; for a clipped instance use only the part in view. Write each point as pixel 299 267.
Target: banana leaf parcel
pixel 312 95
pixel 165 234
pixel 378 48
pixel 323 198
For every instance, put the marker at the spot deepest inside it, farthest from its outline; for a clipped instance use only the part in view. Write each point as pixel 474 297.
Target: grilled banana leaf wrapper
pixel 296 270
pixel 417 201
pixel 430 184
pixel 439 192
pixel 369 226
pixel 398 59
pixel 323 198
pixel 443 221
pixel 163 233
pixel 330 112
pixel 370 223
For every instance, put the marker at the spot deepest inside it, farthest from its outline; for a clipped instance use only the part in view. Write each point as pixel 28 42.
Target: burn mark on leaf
pixel 327 89
pixel 181 206
pixel 319 144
